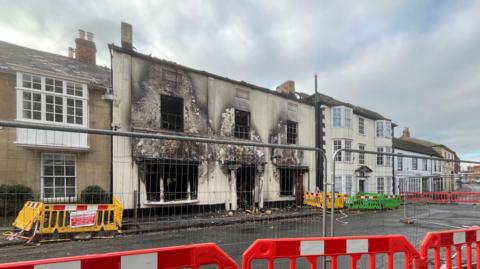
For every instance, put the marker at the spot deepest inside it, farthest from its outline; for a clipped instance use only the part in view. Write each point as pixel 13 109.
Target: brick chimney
pixel 71 52
pixel 126 29
pixel 287 87
pixel 406 133
pixel 85 49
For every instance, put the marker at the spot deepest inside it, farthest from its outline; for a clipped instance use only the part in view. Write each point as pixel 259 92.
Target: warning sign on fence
pixel 82 218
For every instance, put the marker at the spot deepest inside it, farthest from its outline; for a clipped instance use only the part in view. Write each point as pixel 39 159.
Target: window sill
pixel 52 147
pixel 178 202
pixel 63 200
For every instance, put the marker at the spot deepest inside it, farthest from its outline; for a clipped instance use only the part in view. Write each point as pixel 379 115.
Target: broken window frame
pixel 287 181
pixel 159 173
pixel 242 131
pixel 171 120
pixel 292 132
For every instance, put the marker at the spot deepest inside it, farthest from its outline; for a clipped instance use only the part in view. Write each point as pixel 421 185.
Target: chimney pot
pixel 70 52
pixel 81 34
pixel 90 36
pixel 85 50
pixel 287 87
pixel 406 133
pixel 126 32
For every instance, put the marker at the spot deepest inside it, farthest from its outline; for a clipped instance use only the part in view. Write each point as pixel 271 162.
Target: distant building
pixel 416 174
pixel 473 173
pixel 54 90
pixel 344 125
pixel 449 169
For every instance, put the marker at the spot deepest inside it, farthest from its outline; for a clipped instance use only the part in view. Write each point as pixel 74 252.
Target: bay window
pixel 342 117
pixel 383 128
pixel 49 100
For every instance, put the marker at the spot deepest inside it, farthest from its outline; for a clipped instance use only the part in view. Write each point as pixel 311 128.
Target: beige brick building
pixel 50 89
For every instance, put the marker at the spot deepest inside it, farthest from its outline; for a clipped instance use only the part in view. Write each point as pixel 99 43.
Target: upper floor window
pixel 383 128
pixel 171 113
pixel 51 100
pixel 292 132
pixel 399 163
pixel 414 163
pixel 361 156
pixel 424 164
pixel 342 155
pixel 342 117
pixel 361 125
pixel 380 156
pixel 242 124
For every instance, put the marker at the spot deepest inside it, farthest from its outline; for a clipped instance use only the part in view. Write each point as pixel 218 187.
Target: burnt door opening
pixel 246 186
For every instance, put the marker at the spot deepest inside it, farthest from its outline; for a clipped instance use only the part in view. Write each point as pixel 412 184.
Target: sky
pixel 416 62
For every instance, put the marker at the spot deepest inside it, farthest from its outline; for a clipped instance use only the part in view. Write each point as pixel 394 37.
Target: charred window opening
pixel 171 113
pixel 287 181
pixel 292 132
pixel 242 124
pixel 170 180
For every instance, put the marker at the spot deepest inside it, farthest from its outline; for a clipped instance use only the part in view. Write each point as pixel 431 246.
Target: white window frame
pixel 399 163
pixel 361 156
pixel 42 176
pixel 424 164
pixel 336 147
pixel 348 155
pixel 381 189
pixel 342 156
pixel 414 163
pixel 342 117
pixel 44 93
pixel 380 160
pixel 383 128
pixel 361 125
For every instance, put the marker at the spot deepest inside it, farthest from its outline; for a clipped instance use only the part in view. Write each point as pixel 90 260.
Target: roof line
pixel 206 73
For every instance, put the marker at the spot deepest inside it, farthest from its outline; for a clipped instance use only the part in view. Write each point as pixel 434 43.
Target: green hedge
pixel 12 198
pixel 95 195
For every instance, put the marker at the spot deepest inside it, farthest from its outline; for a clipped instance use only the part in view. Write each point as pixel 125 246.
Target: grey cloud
pixel 413 61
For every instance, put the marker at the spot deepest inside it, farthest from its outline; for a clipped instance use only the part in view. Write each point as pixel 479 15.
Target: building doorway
pixel 246 174
pixel 361 185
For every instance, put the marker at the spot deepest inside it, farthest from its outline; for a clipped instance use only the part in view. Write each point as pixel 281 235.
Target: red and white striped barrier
pixel 448 239
pixel 312 248
pixel 442 197
pixel 191 256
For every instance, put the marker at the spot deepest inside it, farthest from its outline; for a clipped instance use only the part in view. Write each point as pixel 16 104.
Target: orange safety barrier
pixel 465 197
pixel 448 239
pixel 333 247
pixel 190 256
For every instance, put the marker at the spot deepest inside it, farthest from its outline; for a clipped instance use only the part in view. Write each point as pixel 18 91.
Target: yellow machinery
pixel 55 219
pixel 316 199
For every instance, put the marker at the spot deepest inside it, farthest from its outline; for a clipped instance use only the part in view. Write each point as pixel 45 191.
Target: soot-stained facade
pixel 157 96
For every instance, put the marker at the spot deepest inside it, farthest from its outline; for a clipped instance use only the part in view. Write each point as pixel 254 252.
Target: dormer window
pixel 342 117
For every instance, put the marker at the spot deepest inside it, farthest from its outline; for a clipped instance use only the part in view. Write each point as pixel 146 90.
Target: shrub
pixel 94 195
pixel 12 198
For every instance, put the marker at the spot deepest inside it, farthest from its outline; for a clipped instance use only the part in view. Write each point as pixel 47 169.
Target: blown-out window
pixel 242 124
pixel 292 132
pixel 171 113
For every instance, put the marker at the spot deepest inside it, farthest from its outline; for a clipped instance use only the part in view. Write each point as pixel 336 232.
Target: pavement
pixel 235 238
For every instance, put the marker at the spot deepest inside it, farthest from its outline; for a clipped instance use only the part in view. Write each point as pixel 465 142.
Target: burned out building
pixel 152 95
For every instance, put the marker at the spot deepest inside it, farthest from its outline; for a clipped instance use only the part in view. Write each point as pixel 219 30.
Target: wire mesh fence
pixel 180 190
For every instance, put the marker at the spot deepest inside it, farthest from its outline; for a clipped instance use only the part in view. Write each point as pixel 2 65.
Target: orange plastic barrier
pixel 312 248
pixel 448 239
pixel 190 256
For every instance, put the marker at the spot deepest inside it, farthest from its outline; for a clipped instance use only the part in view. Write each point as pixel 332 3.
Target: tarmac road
pixel 234 239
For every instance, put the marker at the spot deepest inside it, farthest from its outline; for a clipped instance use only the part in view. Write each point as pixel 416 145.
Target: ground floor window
pixel 287 181
pixel 170 180
pixel 380 185
pixel 58 176
pixel 344 184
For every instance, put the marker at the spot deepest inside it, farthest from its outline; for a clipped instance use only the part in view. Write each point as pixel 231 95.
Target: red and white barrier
pixel 442 197
pixel 191 256
pixel 312 248
pixel 448 239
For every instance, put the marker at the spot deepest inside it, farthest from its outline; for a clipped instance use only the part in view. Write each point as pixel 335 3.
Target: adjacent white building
pixel 349 126
pixel 416 174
